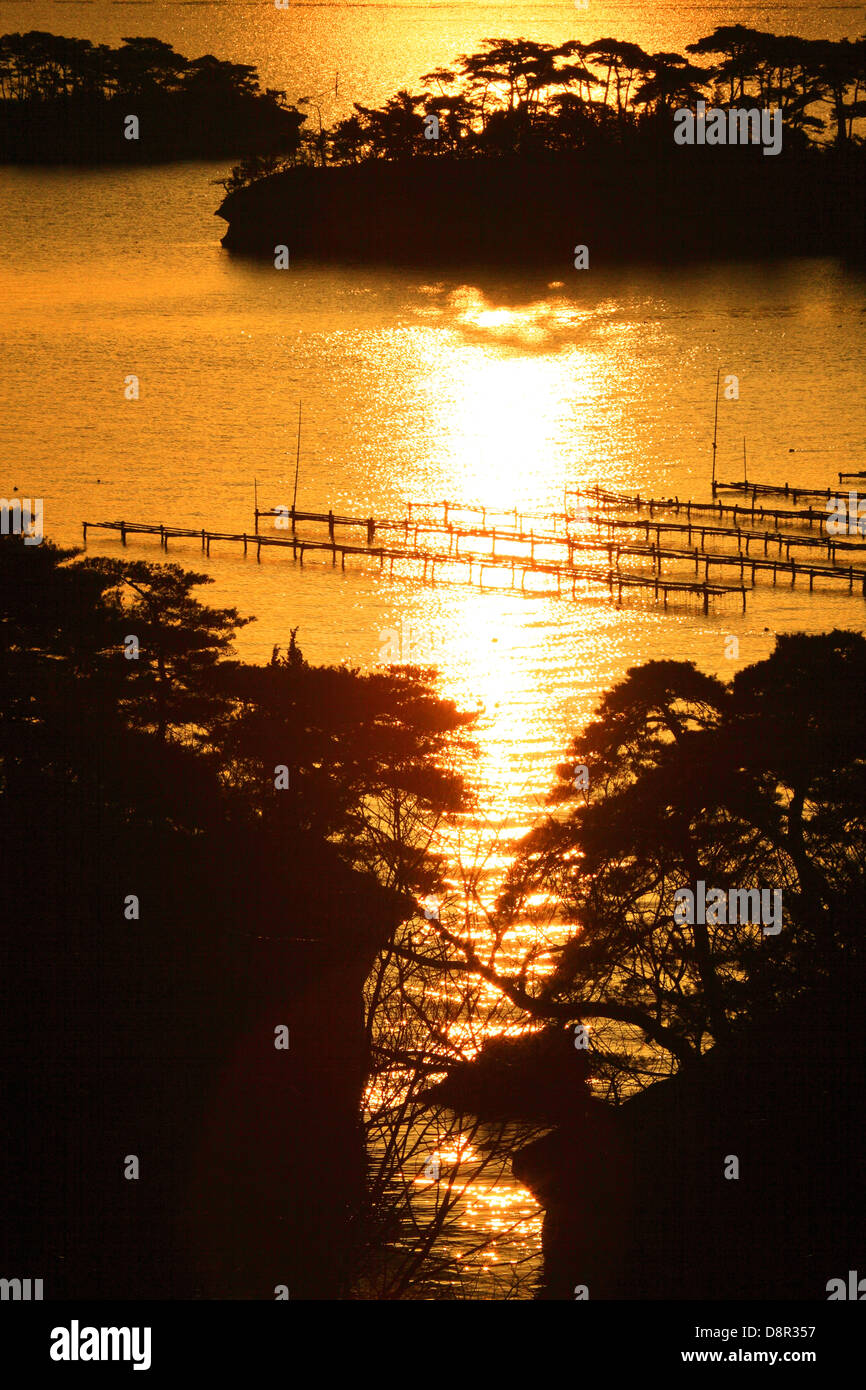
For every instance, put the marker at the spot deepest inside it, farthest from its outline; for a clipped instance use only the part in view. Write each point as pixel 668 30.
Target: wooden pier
pixel 596 543
pixel 562 533
pixel 619 501
pixel 474 564
pixel 775 490
pixel 783 540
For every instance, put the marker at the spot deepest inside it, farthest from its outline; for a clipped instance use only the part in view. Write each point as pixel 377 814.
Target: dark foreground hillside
pixel 186 936
pixel 637 1201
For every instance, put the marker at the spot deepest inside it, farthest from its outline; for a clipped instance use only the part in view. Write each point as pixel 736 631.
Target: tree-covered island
pixel 67 101
pixel 524 151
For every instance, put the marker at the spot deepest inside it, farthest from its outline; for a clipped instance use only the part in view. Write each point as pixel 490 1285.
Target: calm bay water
pixel 499 390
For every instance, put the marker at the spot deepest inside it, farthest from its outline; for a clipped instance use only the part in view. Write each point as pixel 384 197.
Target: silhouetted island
pixel 581 154
pixel 68 101
pixel 637 203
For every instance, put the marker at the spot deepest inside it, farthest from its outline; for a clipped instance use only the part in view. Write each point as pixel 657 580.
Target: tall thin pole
pixel 256 503
pixel 716 428
pixel 297 466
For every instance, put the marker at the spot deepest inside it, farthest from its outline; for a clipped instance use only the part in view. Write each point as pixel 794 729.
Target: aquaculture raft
pixel 596 540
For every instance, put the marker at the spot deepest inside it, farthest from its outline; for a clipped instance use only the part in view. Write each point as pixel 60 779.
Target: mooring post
pixel 123 533
pixel 162 535
pixel 202 538
pixel 245 542
pixel 706 599
pixel 84 531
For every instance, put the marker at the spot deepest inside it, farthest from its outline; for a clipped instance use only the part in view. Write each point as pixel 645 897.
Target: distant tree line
pixel 517 96
pixel 63 98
